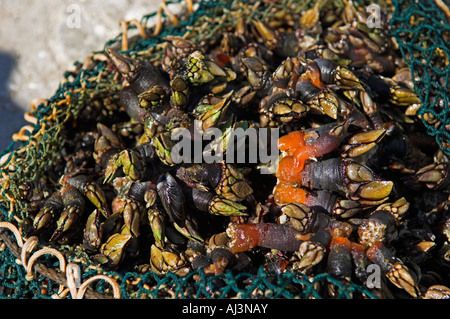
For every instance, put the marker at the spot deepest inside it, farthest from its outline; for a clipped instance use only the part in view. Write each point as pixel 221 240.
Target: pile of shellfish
pixel 359 185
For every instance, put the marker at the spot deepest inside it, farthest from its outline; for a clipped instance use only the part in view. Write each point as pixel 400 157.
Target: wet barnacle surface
pixel 358 183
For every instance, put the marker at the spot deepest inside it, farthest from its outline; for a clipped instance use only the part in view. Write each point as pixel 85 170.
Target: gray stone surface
pixel 41 39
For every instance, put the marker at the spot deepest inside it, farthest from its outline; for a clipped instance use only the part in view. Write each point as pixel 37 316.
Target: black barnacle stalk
pixel 47 214
pixel 140 76
pixel 106 145
pixel 216 204
pixel 146 86
pixel 346 177
pixel 398 152
pixel 339 262
pixel 74 204
pixel 320 101
pixel 384 90
pixel 283 44
pixel 35 194
pixel 333 73
pixel 307 221
pixel 303 218
pixel 380 225
pixel 393 268
pixel 137 163
pixel 176 53
pixel 67 206
pixel 225 179
pixel 130 101
pixel 244 237
pixel 278 109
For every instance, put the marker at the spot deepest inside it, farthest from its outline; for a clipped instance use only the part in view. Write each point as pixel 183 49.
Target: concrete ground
pixel 41 39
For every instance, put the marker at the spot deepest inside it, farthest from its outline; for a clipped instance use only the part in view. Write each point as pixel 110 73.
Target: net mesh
pixel 421 29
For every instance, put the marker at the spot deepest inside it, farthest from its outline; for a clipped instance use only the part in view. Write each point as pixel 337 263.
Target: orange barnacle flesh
pixel 243 237
pixel 286 193
pixel 302 154
pixel 293 144
pixel 287 171
pixel 289 143
pixel 341 241
pixel 323 145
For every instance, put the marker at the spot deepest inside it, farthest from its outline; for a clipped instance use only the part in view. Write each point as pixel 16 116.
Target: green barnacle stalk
pixel 189 230
pixel 130 161
pixel 153 99
pixel 153 124
pixel 256 69
pixel 233 185
pixel 93 232
pixel 199 70
pixel 225 207
pixel 228 129
pixel 180 92
pixel 131 217
pixel 163 145
pixel 113 250
pixel 165 260
pixel 156 220
pixel 211 109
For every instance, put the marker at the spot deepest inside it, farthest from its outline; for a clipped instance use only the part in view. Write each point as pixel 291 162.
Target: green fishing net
pixel 421 30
